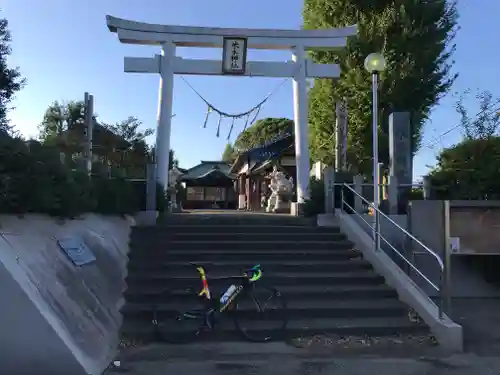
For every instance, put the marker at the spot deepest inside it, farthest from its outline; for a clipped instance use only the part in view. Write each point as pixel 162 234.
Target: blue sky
pixel 64 48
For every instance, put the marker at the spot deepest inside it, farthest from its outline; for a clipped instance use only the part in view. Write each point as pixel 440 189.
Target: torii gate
pixel 167 64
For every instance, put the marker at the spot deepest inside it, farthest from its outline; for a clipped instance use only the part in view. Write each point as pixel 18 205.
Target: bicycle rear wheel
pixel 260 314
pixel 181 319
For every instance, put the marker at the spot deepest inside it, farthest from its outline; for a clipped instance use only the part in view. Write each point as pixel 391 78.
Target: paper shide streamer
pixel 231 129
pixel 209 110
pixel 218 127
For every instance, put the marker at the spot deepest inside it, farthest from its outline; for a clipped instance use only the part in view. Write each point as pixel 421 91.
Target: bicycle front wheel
pixel 260 314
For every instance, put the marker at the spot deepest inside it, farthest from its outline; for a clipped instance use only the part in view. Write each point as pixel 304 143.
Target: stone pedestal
pixel 393 195
pixel 282 207
pixel 241 201
pixel 329 183
pixel 426 187
pixel 175 209
pixel 146 218
pixel 297 209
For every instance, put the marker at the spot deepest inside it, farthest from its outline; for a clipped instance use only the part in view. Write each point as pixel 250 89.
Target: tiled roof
pixel 205 168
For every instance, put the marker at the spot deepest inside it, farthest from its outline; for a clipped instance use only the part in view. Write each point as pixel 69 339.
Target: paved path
pixel 479 317
pixel 455 366
pixel 281 359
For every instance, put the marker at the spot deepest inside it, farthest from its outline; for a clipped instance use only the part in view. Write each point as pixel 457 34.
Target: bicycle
pixel 205 315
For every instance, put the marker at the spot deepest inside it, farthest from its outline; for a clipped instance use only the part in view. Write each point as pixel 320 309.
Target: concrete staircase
pixel 329 287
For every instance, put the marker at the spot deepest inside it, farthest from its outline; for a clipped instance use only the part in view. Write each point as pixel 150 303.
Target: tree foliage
pixel 132 158
pixel 129 130
pixel 415 37
pixel 121 147
pixel 10 78
pixel 172 160
pixel 485 124
pixel 59 118
pixel 229 155
pixel 468 170
pixel 262 131
pixel 471 168
pixel 259 133
pixel 33 179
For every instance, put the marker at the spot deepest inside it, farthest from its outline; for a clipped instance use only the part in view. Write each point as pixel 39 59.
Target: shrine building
pixel 209 184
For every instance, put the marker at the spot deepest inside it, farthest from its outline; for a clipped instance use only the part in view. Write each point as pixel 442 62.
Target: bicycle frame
pixel 205 291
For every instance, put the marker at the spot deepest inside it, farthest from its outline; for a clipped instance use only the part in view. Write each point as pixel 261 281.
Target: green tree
pixel 415 37
pixel 469 169
pixel 485 124
pixel 134 156
pixel 10 79
pixel 261 132
pixel 173 161
pixel 129 130
pixel 228 155
pixel 59 118
pixel 122 145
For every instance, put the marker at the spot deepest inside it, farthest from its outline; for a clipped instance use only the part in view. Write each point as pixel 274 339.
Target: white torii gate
pixel 167 64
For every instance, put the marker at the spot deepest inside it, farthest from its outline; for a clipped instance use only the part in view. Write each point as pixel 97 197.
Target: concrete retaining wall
pixel 57 318
pixel 428 226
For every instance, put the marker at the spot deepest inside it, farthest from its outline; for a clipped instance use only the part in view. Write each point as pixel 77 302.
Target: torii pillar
pixel 164 117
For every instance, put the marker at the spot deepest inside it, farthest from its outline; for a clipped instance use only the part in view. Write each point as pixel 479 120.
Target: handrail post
pixel 342 198
pixel 376 230
pixel 408 243
pixel 446 275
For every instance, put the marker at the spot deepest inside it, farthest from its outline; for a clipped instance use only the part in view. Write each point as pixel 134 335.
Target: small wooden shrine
pixel 209 185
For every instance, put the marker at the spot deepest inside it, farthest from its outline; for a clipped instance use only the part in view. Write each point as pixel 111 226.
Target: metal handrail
pixel 441 290
pixel 368 184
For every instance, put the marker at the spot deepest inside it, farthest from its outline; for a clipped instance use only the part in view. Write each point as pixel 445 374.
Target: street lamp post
pixel 374 64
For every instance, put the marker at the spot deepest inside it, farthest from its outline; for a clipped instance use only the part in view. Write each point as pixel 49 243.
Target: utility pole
pixel 88 131
pixel 341 136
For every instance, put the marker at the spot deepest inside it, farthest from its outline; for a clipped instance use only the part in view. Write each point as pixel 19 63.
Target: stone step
pixel 248 256
pixel 195 243
pixel 238 246
pixel 216 267
pixel 328 286
pixel 143 239
pixel 295 309
pixel 158 294
pixel 347 326
pixel 275 279
pixel 232 218
pixel 231 228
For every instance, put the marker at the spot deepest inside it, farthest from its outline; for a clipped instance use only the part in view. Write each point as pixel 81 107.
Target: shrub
pixel 115 196
pixel 140 191
pixel 316 203
pixel 33 180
